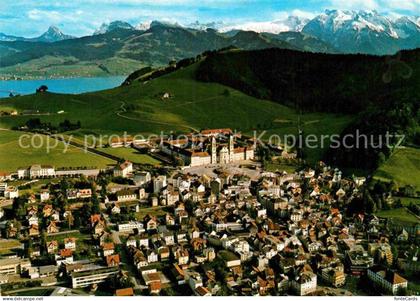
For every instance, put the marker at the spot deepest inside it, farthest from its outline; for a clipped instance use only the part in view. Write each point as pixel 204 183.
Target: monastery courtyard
pixel 248 168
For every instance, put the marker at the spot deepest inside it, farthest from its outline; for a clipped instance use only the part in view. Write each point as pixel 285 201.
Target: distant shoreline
pixel 26 78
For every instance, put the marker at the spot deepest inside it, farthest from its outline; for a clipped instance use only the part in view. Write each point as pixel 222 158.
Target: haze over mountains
pixel 120 47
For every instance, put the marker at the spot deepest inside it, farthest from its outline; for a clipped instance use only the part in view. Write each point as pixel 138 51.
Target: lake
pixel 62 85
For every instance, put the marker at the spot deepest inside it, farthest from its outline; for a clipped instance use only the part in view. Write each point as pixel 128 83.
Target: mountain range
pixel 365 31
pixel 53 34
pixel 120 48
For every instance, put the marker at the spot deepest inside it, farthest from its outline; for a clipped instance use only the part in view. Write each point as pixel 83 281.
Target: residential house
pixel 108 249
pixel 113 260
pixel 52 228
pixel 131 242
pixel 44 195
pixel 52 247
pixel 33 220
pixel 70 243
pixel 123 170
pixel 334 276
pixel 142 178
pixel 116 209
pixel 182 256
pixel 47 210
pixel 305 281
pixel 65 256
pixel 33 230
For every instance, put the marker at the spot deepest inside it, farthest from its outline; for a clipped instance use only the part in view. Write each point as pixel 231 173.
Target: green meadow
pixel 400 214
pixel 193 105
pixel 13 156
pixel 403 167
pixel 131 155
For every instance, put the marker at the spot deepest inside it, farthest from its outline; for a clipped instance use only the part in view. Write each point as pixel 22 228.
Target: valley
pixel 193 105
pixel 210 148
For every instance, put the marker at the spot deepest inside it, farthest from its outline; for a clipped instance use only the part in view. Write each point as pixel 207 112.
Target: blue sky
pixel 81 17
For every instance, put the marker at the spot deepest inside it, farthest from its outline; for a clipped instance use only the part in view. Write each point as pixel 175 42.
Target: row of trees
pixel 36 125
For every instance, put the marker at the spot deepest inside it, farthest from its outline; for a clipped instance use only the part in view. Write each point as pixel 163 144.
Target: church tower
pixel 213 150
pixel 231 148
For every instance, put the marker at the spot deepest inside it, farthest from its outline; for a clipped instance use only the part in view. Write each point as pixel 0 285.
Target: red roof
pixel 200 154
pixel 239 150
pixel 108 246
pixel 53 243
pixel 124 292
pixel 113 260
pixel 66 253
pixel 155 285
pixel 216 131
pixel 95 218
pixel 121 139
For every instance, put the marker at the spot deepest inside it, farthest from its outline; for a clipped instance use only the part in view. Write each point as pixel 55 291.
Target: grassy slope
pixel 12 156
pixel 403 167
pixel 194 105
pixel 401 214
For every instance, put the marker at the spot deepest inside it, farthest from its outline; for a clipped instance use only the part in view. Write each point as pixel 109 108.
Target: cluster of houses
pixel 225 234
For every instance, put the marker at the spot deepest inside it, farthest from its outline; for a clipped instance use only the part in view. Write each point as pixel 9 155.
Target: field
pixel 278 166
pixel 130 154
pixel 139 109
pixel 312 124
pixel 403 167
pixel 154 211
pixel 399 214
pixel 407 201
pixel 12 156
pixel 9 246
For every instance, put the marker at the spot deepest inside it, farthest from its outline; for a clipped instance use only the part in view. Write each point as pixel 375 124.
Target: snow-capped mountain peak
pixel 144 25
pixel 364 31
pixel 291 23
pixel 106 27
